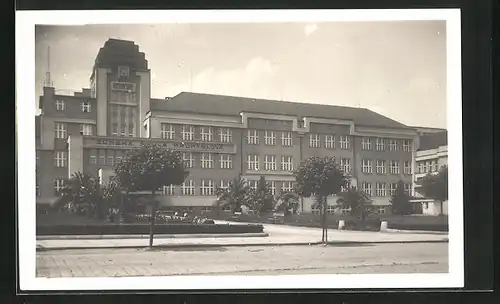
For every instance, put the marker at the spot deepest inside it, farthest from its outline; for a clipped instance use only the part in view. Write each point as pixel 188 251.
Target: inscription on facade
pixel 192 146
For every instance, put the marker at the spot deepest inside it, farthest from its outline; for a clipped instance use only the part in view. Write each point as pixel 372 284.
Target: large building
pixel 429 158
pixel 220 136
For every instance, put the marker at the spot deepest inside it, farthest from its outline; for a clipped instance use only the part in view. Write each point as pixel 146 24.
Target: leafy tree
pixel 320 177
pixel 359 202
pixel 263 199
pixel 288 201
pixel 149 168
pixel 400 201
pixel 82 191
pixel 435 186
pixel 237 194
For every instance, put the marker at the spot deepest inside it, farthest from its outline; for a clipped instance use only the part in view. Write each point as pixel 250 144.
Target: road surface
pixel 265 260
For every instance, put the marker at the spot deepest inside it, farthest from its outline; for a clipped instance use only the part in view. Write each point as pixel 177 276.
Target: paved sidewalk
pixel 146 236
pixel 280 235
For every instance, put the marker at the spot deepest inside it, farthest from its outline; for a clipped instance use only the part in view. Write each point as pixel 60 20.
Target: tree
pixel 237 194
pixel 287 201
pixel 82 190
pixel 358 201
pixel 149 168
pixel 400 201
pixel 435 186
pixel 320 177
pixel 262 198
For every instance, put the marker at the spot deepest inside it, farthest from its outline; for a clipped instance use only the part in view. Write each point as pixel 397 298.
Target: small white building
pixel 430 157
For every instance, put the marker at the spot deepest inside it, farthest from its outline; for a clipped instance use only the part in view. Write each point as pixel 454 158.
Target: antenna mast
pixel 48 81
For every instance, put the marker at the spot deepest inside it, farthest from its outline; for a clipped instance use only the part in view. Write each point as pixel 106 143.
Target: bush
pixel 139 228
pixel 371 224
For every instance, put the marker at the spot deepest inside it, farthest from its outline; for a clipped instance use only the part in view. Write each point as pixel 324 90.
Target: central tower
pixel 121 84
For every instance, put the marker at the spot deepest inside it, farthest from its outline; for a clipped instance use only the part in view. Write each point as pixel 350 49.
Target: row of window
pixel 427 166
pixel 381 144
pixel 187 133
pixel 84 105
pixel 208 187
pixel 61 130
pixel 383 189
pixel 382 165
pixel 334 209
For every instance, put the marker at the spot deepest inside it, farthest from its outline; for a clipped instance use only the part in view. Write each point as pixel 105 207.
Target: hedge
pixel 109 229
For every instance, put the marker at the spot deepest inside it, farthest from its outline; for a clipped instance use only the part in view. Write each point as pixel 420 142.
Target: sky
pixel 395 68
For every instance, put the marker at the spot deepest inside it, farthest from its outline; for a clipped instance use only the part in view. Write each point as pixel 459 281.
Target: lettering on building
pixel 114 142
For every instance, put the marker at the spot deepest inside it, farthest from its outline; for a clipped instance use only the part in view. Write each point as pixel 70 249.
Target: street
pixel 254 260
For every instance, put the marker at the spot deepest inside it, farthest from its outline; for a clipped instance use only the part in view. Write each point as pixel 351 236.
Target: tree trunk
pixel 325 224
pixel 152 222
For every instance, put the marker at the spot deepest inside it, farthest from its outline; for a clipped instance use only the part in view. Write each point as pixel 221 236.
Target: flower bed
pixel 138 228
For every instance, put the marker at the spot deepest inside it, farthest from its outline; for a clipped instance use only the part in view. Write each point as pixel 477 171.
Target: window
pixel 270 138
pixel 367 188
pixel 61 159
pixel 381 189
pixel 58 185
pixel 253 137
pixel 187 133
pixel 102 156
pixel 287 187
pixel 187 187
pixel 123 130
pixel 315 209
pixel 253 162
pixel 394 165
pixel 407 167
pixel 420 167
pixel 114 129
pixel 286 163
pixel 253 184
pixel 188 159
pixel 407 145
pixel 207 187
pixel 123 71
pixel 118 156
pixel 206 134
pixel 111 158
pixel 366 143
pixel 330 141
pixel 381 209
pixel 60 105
pixel 367 166
pixel 380 144
pixel 330 209
pixel 61 130
pixel 408 189
pixel 86 129
pixel 93 157
pixel 224 184
pixel 393 145
pixel 272 187
pixel 122 120
pixel 169 190
pixel 270 163
pixel 344 142
pixel 226 161
pixel 286 139
pixel 85 105
pixel 314 141
pixel 392 188
pixel 226 135
pixel 345 165
pixel 426 167
pixel 381 167
pixel 345 210
pixel 207 161
pixel 167 131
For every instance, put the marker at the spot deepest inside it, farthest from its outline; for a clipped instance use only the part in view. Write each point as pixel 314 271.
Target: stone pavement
pixel 278 235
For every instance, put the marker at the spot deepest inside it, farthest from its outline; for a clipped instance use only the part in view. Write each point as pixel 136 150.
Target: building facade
pixel 429 159
pixel 220 137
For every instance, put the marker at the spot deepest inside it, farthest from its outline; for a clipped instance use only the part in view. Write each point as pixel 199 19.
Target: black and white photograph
pixel 239 149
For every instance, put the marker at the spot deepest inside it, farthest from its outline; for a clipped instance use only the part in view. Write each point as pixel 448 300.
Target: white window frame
pixel 86 129
pixel 394 166
pixel 270 162
pixel 366 143
pixel 61 130
pixel 93 157
pixel 330 209
pixel 286 163
pixel 167 131
pixel 85 106
pixel 224 184
pixel 207 133
pixel 61 159
pixel 315 209
pixel 207 187
pixel 253 137
pixel 366 187
pixel 345 210
pixel 168 190
pixel 188 159
pixel 393 187
pixel 330 141
pixel 270 138
pixel 367 166
pixel 58 185
pixel 60 105
pixel 110 158
pixel 380 144
pixel 381 189
pixel 344 142
pixel 187 132
pixel 407 145
pixel 286 139
pixel 393 145
pixel 287 186
pixel 407 188
pixel 407 167
pixel 272 187
pixel 381 209
pixel 314 141
pixel 188 188
pixel 253 162
pixel 345 164
pixel 207 160
pixel 226 135
pixel 253 184
pixel 381 166
pixel 226 161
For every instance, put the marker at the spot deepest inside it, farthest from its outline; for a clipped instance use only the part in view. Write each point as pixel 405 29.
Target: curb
pixel 175 246
pixel 146 236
